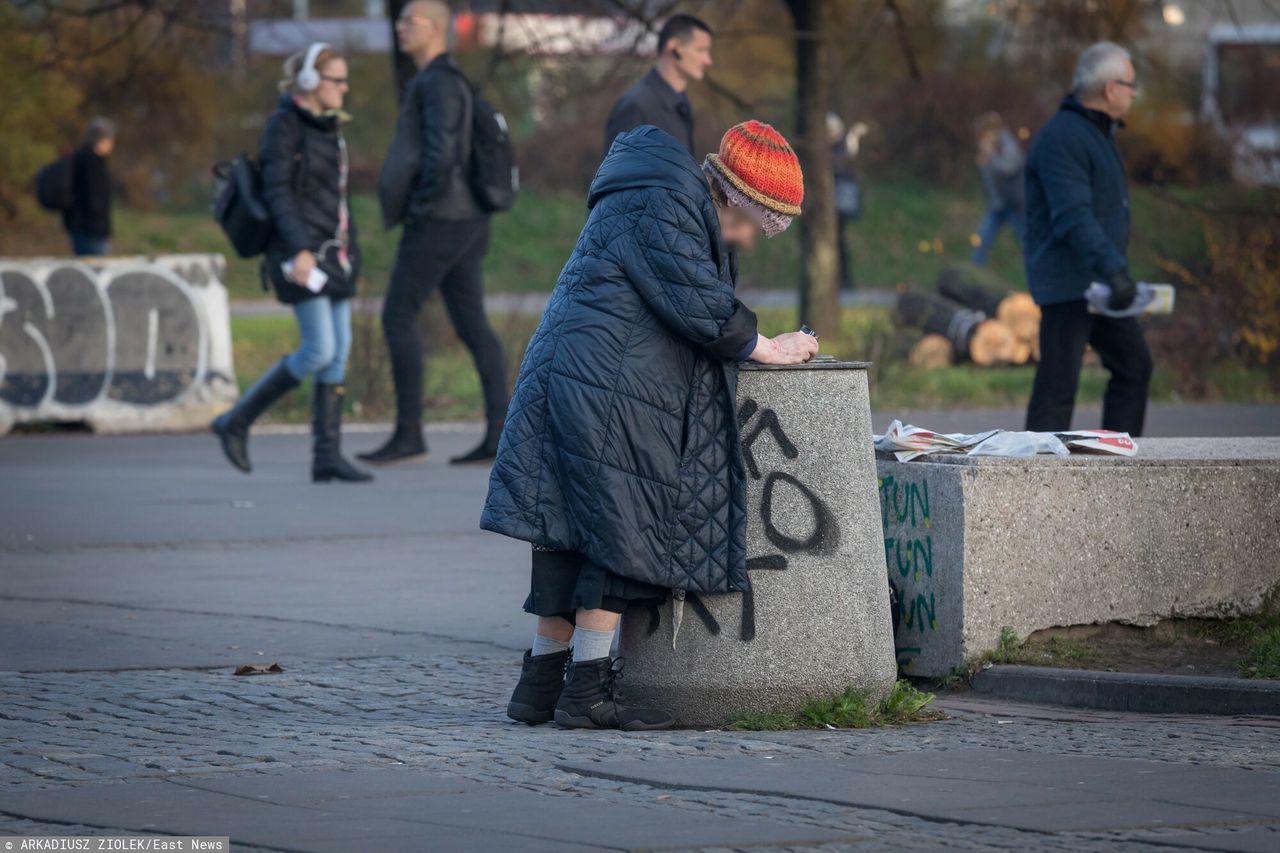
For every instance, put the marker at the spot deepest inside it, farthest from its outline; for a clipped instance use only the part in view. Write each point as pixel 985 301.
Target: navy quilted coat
pixel 621 442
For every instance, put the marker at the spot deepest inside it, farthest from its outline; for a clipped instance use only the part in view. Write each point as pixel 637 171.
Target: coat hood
pixel 648 157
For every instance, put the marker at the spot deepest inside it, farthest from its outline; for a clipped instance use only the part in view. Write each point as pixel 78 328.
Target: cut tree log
pixel 993 343
pixel 985 342
pixel 932 351
pixel 973 287
pixel 1020 312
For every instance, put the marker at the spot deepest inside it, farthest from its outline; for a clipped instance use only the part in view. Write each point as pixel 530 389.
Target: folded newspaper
pixel 1149 299
pixel 908 442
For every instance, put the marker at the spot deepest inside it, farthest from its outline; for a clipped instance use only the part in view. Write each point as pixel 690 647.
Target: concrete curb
pixel 1131 691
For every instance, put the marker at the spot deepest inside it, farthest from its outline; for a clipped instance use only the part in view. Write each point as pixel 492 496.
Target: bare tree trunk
pixel 401 65
pixel 819 299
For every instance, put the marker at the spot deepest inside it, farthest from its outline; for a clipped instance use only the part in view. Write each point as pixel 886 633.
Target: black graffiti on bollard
pixel 133 335
pixel 824 538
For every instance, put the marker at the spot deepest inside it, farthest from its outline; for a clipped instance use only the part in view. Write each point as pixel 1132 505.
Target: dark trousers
pixel 1065 328
pixel 448 255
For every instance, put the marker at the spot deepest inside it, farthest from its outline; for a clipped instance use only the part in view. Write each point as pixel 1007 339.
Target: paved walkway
pixel 136 572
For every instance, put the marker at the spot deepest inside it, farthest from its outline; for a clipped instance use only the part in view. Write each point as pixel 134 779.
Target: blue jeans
pixel 992 222
pixel 326 340
pixel 85 245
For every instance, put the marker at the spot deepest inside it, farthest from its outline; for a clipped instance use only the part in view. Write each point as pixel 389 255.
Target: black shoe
pixel 405 444
pixel 233 426
pixel 487 450
pixel 326 428
pixel 591 700
pixel 541 680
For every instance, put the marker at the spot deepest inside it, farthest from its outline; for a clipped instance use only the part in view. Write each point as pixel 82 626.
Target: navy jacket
pixel 1077 205
pixel 621 441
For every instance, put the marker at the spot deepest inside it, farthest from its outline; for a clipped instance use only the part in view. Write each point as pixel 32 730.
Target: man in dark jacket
pixel 1077 232
pixel 658 98
pixel 88 220
pixel 621 462
pixel 445 238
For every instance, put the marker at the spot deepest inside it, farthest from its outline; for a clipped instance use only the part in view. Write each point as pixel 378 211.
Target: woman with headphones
pixel 312 260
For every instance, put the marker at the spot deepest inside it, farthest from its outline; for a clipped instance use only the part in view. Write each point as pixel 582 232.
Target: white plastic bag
pixel 1020 445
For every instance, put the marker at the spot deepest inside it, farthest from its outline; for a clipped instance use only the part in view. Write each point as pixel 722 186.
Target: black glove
pixel 1123 291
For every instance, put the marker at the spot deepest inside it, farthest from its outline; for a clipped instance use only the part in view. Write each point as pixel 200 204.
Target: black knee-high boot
pixel 326 427
pixel 233 427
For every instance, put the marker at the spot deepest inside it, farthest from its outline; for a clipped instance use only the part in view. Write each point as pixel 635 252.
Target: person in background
pixel 88 220
pixel 1078 233
pixel 312 260
pixel 630 378
pixel 848 190
pixel 1000 165
pixel 443 244
pixel 659 98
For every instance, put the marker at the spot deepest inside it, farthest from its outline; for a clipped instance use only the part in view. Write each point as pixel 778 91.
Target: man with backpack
pixel 79 187
pixel 429 183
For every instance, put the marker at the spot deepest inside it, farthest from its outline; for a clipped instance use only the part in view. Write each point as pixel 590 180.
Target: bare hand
pixel 303 263
pixel 788 348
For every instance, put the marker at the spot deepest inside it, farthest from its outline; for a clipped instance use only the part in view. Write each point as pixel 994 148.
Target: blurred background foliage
pixel 163 69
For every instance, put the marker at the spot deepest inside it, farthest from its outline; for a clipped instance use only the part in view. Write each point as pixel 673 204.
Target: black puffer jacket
pixel 621 441
pixel 303 158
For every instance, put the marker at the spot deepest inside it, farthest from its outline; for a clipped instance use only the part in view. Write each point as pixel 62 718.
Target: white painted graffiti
pixel 73 336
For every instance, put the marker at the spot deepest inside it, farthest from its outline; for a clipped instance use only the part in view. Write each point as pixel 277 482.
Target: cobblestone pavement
pixel 128 565
pixel 444 714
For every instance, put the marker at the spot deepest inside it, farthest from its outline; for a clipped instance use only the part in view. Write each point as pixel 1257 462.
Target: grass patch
pixel 850 710
pixel 1256 636
pixel 452 388
pixel 909 234
pixel 1013 650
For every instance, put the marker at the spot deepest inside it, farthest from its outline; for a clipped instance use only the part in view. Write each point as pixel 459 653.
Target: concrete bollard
pixel 817 619
pixel 124 344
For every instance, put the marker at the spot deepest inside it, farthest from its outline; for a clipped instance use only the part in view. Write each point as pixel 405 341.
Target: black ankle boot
pixel 327 462
pixel 591 700
pixel 486 451
pixel 405 444
pixel 541 680
pixel 233 426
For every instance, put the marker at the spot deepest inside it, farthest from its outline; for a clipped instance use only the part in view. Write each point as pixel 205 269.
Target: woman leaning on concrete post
pixel 313 259
pixel 620 461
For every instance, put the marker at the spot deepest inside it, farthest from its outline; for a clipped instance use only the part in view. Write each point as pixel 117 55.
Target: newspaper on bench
pixel 908 442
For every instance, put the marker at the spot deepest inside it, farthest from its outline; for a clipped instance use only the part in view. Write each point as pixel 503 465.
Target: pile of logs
pixel 973 316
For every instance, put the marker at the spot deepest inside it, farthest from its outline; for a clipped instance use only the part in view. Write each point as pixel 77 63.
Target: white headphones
pixel 308 77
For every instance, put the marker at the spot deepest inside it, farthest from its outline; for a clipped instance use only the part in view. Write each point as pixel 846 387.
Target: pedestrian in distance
pixel 845 144
pixel 621 463
pixel 1078 233
pixel 1000 166
pixel 445 236
pixel 660 97
pixel 312 260
pixel 88 219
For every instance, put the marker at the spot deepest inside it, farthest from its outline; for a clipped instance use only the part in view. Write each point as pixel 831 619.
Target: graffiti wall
pixel 923 529
pixel 122 344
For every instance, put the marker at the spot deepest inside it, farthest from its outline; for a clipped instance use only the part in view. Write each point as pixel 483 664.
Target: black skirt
pixel 564 582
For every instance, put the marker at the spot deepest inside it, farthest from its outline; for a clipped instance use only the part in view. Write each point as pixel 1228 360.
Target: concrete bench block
pixel 1187 528
pixel 817 619
pixel 128 344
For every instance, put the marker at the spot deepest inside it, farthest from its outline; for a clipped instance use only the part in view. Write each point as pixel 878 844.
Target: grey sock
pixel 547 646
pixel 591 645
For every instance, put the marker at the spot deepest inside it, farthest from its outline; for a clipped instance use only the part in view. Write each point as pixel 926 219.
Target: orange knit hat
pixel 758 169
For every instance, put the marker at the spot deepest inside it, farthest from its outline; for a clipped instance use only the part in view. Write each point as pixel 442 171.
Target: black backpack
pixel 495 177
pixel 53 185
pixel 239 208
